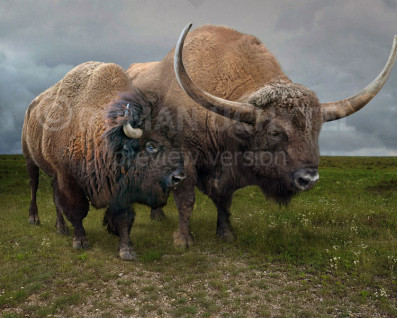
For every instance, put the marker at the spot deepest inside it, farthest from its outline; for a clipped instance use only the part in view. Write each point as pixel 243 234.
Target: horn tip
pixel 188 26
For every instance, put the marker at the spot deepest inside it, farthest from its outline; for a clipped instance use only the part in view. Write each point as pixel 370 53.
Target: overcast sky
pixel 333 47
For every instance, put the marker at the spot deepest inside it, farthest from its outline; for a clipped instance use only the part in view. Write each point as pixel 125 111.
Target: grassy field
pixel 330 253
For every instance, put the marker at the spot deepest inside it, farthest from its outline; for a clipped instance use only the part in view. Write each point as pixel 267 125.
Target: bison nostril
pixel 304 179
pixel 303 182
pixel 176 178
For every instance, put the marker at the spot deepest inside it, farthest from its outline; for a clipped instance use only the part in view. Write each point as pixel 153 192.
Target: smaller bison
pixel 97 138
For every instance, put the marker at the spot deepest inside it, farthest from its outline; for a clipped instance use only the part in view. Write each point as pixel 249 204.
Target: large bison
pixel 243 121
pixel 95 136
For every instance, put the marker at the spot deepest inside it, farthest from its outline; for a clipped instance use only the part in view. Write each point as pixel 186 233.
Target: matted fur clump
pixel 279 92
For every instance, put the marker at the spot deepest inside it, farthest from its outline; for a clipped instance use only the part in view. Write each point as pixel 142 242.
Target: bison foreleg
pixel 119 222
pixel 224 228
pixel 184 198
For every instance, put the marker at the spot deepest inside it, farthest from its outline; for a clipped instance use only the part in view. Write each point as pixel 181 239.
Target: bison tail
pixel 116 219
pixel 108 221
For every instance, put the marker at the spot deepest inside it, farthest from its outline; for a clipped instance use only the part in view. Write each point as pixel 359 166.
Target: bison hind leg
pixel 33 172
pixel 157 214
pixel 72 201
pixel 118 221
pixel 60 224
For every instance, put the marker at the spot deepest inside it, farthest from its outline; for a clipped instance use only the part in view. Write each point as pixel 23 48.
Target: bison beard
pixel 278 190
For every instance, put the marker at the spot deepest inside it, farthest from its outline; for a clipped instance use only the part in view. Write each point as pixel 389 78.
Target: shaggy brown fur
pixel 74 132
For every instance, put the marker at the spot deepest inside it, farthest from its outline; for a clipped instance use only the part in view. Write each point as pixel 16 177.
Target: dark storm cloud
pixel 333 47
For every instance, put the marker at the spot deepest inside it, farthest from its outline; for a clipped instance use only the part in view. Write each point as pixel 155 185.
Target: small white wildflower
pixel 45 242
pixel 383 293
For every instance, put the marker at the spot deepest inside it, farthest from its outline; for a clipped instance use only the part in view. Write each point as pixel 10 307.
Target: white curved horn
pixel 131 131
pixel 245 112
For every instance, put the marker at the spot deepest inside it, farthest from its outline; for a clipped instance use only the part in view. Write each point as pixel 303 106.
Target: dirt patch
pixel 232 289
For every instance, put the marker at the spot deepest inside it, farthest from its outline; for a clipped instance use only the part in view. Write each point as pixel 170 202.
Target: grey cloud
pixel 20 82
pixel 333 47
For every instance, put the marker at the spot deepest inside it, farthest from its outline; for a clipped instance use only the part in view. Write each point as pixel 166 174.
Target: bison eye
pixel 151 148
pixel 274 133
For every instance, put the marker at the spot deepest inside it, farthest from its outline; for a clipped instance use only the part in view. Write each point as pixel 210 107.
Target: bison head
pixel 279 125
pixel 147 160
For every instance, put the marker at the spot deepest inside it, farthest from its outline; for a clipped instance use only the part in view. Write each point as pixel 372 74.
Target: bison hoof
pixel 226 235
pixel 157 214
pixel 62 230
pixel 81 243
pixel 181 241
pixel 127 254
pixel 34 220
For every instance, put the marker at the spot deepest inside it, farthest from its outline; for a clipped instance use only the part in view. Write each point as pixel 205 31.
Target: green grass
pixel 331 252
